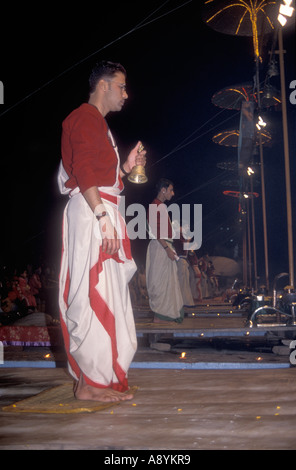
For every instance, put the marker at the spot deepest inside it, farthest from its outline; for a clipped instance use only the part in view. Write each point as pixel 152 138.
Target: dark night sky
pixel 175 64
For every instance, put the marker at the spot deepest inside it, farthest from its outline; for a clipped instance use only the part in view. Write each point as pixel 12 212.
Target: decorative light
pixel 282 20
pixel 285 11
pixel 251 9
pixel 260 123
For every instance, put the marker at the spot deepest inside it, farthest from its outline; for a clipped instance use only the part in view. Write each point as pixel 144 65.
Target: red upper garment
pixel 89 158
pixel 160 226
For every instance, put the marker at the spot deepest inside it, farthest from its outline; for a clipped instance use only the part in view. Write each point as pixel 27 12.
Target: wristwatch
pixel 103 214
pixel 123 171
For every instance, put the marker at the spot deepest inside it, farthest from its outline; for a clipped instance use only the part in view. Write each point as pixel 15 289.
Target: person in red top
pixel 96 267
pixel 25 290
pixel 92 165
pixel 165 297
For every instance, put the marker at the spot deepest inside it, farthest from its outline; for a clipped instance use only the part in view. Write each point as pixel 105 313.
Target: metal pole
pixel 249 245
pixel 262 184
pixel 264 213
pixel 254 236
pixel 287 161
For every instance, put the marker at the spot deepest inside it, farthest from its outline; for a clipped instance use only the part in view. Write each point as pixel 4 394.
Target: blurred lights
pixel 285 11
pixel 260 123
pixel 282 20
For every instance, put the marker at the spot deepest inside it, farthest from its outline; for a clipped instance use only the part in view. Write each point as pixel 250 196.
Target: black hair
pixel 163 183
pixel 104 69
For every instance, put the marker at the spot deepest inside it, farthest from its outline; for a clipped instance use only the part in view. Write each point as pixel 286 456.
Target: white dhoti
pixel 184 281
pixel 95 307
pixel 165 297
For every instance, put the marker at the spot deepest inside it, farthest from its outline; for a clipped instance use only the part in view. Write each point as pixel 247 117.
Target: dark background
pixel 175 63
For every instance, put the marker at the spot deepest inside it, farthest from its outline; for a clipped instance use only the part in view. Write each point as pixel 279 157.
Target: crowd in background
pixel 27 290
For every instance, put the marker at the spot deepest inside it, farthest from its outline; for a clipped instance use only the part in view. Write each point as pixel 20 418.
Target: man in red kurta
pixel 163 288
pixel 96 314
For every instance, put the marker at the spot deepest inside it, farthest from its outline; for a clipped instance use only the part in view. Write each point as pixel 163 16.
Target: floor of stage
pixel 172 410
pixel 228 391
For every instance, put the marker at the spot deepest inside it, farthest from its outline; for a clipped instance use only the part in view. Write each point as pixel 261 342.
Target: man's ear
pixel 103 85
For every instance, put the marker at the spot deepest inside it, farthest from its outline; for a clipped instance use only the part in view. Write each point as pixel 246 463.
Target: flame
pixel 183 355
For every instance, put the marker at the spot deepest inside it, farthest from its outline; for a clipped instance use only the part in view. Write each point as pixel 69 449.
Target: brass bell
pixel 137 175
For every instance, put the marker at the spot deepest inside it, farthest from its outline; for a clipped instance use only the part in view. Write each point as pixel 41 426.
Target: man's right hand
pixel 171 254
pixel 110 241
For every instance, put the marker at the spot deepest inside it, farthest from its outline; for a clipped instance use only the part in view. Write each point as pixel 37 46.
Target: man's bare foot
pixel 158 320
pixel 82 391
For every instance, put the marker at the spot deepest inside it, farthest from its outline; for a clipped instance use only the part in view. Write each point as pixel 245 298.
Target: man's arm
pixel 110 243
pixel 171 254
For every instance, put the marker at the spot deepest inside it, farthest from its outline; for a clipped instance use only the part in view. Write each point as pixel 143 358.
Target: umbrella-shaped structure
pixel 230 138
pixel 231 97
pixel 238 194
pixel 228 166
pixel 253 18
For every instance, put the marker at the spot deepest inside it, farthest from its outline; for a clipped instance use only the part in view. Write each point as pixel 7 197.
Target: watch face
pixel 101 215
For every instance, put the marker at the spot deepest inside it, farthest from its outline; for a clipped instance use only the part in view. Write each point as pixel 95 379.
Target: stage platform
pixel 175 411
pixel 209 320
pixel 212 336
pixel 209 383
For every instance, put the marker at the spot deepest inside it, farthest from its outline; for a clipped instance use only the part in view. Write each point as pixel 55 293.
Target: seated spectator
pixel 12 308
pixel 25 290
pixel 36 286
pixel 13 311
